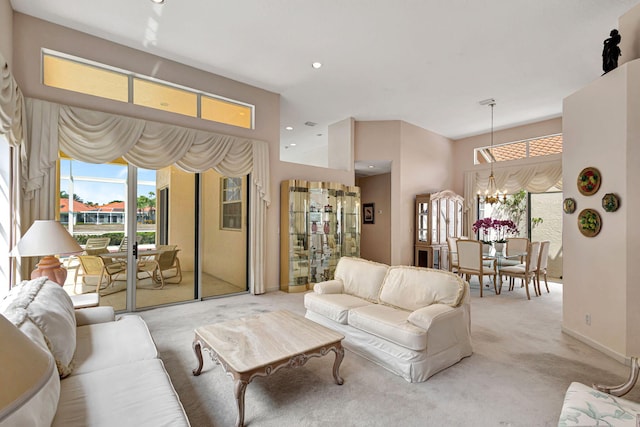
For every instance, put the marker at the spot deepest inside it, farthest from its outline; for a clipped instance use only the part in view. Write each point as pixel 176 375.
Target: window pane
pixel 70 75
pixel 545 146
pixel 163 97
pixel 510 151
pixel 226 112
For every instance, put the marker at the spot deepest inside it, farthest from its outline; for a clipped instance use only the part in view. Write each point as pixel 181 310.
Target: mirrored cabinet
pixel 438 216
pixel 319 223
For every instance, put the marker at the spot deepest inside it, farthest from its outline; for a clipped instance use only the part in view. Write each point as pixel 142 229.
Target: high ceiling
pixel 426 62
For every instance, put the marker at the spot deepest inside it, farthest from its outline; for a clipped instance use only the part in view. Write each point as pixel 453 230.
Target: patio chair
pixel 470 262
pixel 93 246
pixel 168 264
pixel 94 265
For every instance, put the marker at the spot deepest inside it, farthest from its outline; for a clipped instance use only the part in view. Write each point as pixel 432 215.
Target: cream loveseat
pixel 412 321
pixel 108 371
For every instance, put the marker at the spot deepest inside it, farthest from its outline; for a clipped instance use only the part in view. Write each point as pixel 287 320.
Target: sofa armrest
pixel 88 316
pixel 425 316
pixel 329 287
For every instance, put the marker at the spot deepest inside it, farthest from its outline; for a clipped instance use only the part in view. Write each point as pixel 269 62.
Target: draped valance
pixel 98 137
pixel 535 177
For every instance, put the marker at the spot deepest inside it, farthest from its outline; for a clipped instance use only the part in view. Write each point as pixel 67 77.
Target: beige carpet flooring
pixel 521 367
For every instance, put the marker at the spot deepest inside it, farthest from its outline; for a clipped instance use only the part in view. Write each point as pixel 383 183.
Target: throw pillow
pixel 50 308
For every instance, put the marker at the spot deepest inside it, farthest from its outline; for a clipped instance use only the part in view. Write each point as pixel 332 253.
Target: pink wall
pixel 375 238
pixel 6 31
pixel 426 166
pixel 629 27
pixel 601 130
pixel 31 34
pixel 420 161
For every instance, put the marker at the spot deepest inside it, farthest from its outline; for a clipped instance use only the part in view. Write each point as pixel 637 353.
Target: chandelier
pixel 491 194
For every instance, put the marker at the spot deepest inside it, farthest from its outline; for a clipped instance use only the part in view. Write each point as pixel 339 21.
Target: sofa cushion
pixel 388 323
pixel 585 406
pixel 361 278
pixel 132 395
pixel 103 345
pixel 333 306
pixel 411 288
pixel 49 307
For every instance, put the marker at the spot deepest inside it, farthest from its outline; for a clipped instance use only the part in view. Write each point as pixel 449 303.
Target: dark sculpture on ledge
pixel 611 52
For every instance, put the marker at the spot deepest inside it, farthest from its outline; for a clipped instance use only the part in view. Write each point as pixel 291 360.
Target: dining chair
pixel 527 271
pixel 543 261
pixel 453 253
pixel 516 245
pixel 168 264
pixel 470 262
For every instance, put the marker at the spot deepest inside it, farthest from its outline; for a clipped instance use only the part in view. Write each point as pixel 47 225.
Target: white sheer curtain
pixel 97 137
pixel 12 116
pixel 532 177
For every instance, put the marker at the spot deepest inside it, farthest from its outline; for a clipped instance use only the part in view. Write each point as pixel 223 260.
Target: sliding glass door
pixel 143 230
pixel 166 228
pixel 223 234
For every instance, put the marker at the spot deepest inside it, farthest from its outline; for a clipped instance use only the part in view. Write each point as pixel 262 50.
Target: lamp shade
pixel 46 237
pixel 29 379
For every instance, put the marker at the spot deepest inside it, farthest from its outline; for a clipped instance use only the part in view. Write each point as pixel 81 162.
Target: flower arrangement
pixel 503 228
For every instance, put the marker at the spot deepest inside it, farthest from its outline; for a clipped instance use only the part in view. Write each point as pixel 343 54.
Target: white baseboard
pixel 591 343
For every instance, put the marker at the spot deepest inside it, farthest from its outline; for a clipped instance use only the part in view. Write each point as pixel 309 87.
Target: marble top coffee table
pixel 258 346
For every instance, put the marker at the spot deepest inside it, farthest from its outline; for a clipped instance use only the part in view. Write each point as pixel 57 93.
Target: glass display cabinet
pixel 438 216
pixel 319 223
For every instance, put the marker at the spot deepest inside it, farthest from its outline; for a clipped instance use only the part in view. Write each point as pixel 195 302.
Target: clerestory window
pixel 76 74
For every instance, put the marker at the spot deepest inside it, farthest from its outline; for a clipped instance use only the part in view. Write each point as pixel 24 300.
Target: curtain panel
pixel 535 178
pixel 98 137
pixel 12 116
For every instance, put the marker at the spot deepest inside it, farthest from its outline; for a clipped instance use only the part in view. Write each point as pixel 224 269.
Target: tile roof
pixel 518 150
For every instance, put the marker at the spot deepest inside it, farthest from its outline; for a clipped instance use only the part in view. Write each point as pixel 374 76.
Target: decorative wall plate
pixel 610 202
pixel 589 222
pixel 589 181
pixel 569 205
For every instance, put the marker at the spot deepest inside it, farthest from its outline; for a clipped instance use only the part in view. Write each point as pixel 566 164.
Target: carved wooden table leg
pixel 240 387
pixel 198 350
pixel 339 351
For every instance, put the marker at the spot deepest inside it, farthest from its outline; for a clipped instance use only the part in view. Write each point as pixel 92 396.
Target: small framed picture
pixel 569 205
pixel 368 213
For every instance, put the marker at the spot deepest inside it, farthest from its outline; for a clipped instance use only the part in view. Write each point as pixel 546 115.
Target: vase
pixel 499 246
pixel 314 227
pixel 326 227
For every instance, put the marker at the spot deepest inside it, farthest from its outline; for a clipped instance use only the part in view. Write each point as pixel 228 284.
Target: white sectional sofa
pixel 412 321
pixel 108 370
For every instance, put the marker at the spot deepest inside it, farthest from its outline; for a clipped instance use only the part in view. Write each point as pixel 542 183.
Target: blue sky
pixel 102 192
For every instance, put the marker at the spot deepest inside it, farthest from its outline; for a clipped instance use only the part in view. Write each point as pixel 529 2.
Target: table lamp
pixel 46 238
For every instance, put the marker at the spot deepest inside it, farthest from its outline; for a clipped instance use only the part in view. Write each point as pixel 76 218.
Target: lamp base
pixel 52 268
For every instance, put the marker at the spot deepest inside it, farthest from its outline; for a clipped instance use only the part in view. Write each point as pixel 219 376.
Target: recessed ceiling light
pixel 293 144
pixel 157 1
pixel 316 65
pixel 288 128
pixel 371 166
